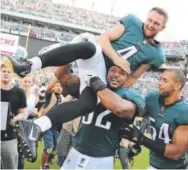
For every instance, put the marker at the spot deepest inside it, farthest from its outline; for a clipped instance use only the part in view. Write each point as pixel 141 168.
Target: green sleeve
pixel 129 21
pixel 134 96
pixel 159 60
pixel 183 118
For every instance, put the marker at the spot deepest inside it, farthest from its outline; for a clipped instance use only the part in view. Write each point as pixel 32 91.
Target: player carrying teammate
pixel 130 45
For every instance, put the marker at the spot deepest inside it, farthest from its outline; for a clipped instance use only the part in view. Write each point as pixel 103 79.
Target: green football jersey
pixel 164 120
pixel 133 46
pixel 98 134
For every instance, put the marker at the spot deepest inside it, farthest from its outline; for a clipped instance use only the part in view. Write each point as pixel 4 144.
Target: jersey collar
pixel 161 102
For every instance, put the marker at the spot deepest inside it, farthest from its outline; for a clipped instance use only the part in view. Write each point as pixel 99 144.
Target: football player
pixel 167 112
pixel 98 135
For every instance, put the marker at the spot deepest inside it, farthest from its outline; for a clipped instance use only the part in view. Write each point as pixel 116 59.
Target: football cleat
pixel 30 132
pixel 20 66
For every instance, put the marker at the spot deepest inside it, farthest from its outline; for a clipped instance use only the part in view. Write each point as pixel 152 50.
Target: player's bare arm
pixel 18 117
pixel 105 39
pixel 52 83
pixel 135 75
pixel 179 143
pixel 120 107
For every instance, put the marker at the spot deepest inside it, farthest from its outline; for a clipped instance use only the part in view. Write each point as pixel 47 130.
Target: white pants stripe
pixel 95 65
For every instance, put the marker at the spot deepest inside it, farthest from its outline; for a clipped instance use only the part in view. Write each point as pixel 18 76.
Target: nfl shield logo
pixel 68 161
pixel 162 109
pixel 82 160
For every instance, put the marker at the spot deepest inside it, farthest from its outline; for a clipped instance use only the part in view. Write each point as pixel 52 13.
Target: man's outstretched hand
pixel 123 64
pixel 134 133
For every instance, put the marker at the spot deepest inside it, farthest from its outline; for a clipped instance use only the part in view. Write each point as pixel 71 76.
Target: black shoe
pixel 30 132
pixel 46 166
pixel 51 158
pixel 20 66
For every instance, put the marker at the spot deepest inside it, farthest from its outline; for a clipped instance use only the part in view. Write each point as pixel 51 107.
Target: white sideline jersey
pixel 95 65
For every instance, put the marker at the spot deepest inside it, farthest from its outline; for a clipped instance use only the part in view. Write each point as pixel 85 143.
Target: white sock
pixel 44 123
pixel 36 63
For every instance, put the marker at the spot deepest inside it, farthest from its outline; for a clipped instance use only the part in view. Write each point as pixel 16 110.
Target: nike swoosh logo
pixel 24 73
pixel 31 136
pixel 135 139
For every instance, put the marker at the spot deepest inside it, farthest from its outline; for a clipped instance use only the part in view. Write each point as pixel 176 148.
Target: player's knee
pixel 87 103
pixel 89 50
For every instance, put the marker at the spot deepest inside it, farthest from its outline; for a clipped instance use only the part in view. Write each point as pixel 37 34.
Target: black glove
pixel 126 131
pixel 97 84
pixel 133 133
pixel 133 151
pixel 139 130
pixel 137 135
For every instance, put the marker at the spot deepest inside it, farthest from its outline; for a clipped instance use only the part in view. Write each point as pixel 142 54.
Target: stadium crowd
pixel 60 12
pixel 173 48
pixel 37 32
pixel 147 82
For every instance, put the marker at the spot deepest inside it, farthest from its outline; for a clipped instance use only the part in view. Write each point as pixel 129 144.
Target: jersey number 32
pixel 99 120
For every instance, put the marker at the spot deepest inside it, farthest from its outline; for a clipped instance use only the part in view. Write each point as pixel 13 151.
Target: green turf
pixel 140 161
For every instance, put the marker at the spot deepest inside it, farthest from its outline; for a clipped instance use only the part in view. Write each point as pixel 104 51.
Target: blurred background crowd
pixel 47 9
pixel 147 82
pixel 61 12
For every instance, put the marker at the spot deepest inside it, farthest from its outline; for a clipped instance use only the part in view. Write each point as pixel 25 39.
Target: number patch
pixel 99 120
pixel 128 52
pixel 163 132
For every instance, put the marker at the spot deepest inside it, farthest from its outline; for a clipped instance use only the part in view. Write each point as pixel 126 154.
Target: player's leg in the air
pixel 70 110
pixel 79 48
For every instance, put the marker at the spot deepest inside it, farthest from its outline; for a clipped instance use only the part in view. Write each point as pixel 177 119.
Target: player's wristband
pixel 156 146
pixel 97 84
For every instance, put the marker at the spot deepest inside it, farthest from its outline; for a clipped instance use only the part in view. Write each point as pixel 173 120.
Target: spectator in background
pixel 14 99
pixel 123 152
pixel 42 99
pixel 32 96
pixel 53 97
pixel 64 142
pixel 65 139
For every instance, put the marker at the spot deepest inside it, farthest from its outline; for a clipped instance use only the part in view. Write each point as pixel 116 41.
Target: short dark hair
pixel 72 85
pixel 178 74
pixel 161 11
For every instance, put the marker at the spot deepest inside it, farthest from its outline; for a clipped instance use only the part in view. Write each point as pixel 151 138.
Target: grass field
pixel 140 161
